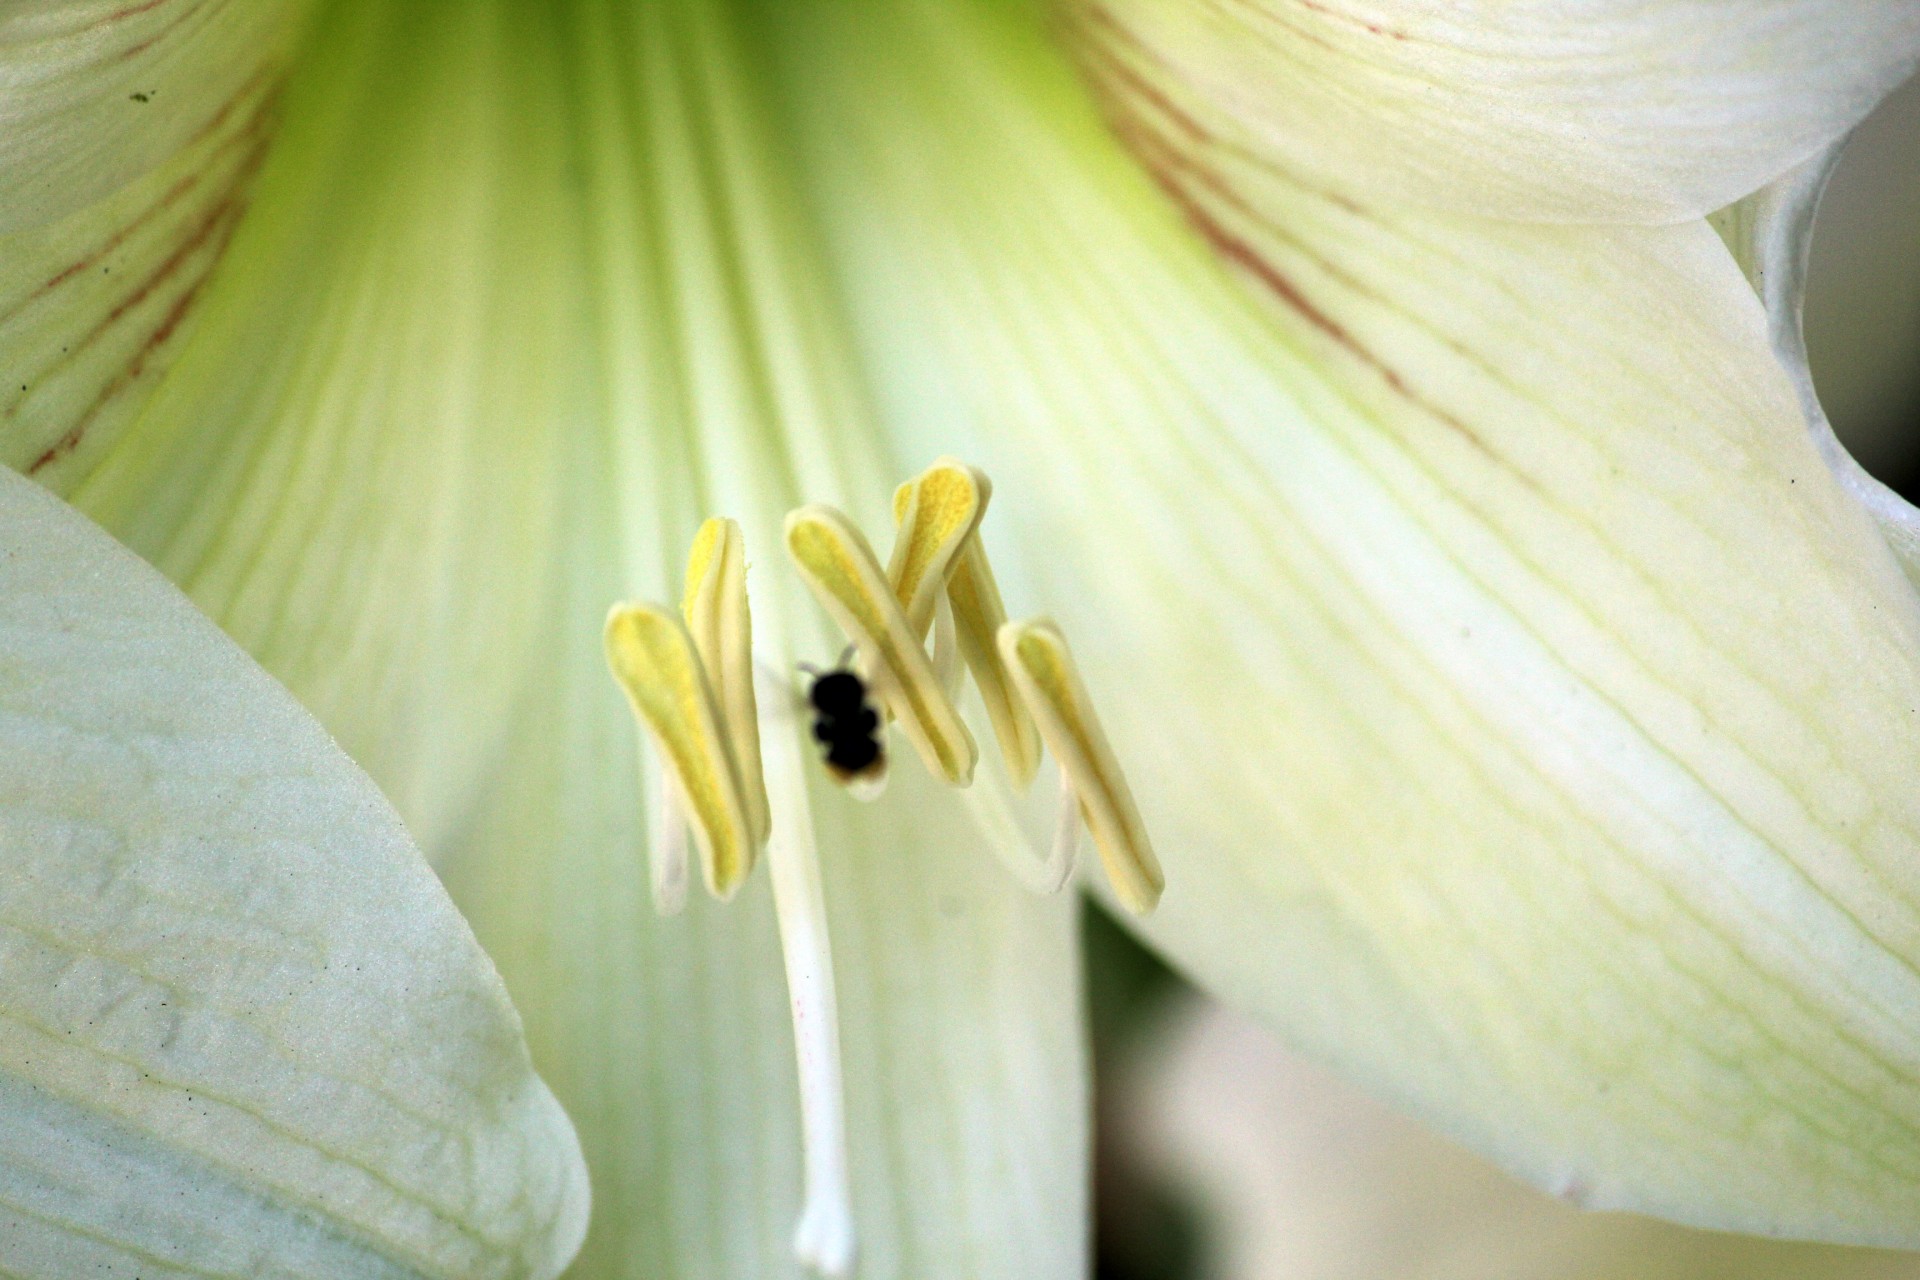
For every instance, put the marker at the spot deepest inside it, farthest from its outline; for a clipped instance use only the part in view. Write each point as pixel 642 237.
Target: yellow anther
pixel 937 512
pixel 653 658
pixel 839 567
pixel 715 607
pixel 1042 669
pixel 978 616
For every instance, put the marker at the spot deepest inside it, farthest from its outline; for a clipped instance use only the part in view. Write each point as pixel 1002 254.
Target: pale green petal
pixel 352 466
pixel 518 303
pixel 130 132
pixel 1549 110
pixel 242 1029
pixel 1524 717
pixel 1771 235
pixel 95 93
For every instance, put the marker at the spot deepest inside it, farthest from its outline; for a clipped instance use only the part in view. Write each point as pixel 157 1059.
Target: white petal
pixel 242 1029
pixel 1771 235
pixel 1525 719
pixel 1549 110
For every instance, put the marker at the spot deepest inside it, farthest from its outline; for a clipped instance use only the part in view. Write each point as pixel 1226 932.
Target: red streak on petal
pixel 1372 28
pixel 156 36
pixel 68 442
pixel 249 133
pixel 205 239
pixel 121 15
pixel 1112 65
pixel 1184 177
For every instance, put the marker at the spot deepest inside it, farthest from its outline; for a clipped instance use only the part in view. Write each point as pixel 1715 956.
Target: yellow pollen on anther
pixel 937 513
pixel 978 616
pixel 715 609
pixel 654 659
pixel 1043 671
pixel 839 567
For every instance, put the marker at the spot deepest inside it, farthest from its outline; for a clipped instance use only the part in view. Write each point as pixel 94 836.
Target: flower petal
pixel 352 464
pixel 242 1029
pixel 1771 235
pixel 1525 718
pixel 130 133
pixel 95 93
pixel 519 301
pixel 1538 110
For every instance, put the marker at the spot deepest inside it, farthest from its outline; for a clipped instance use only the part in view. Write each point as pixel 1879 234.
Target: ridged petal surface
pixel 242 1029
pixel 1536 110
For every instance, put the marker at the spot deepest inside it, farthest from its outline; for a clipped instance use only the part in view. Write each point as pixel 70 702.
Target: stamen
pixel 946 650
pixel 1066 829
pixel 1043 671
pixel 668 860
pixel 839 567
pixel 936 512
pixel 990 802
pixel 939 513
pixel 653 658
pixel 978 616
pixel 715 607
pixel 824 1237
pixel 696 688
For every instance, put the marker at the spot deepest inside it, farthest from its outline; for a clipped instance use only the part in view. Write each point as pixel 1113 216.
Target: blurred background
pixel 1222 1156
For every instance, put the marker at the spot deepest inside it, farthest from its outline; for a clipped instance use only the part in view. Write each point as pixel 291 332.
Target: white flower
pixel 1523 713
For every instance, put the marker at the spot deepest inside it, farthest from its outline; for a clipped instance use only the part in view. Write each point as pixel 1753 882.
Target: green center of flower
pixel 706 703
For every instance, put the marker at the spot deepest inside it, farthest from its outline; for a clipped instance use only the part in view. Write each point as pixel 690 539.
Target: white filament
pixel 1066 830
pixel 824 1238
pixel 947 668
pixel 990 802
pixel 667 829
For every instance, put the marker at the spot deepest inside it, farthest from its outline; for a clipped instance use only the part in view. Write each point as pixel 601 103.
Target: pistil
pixel 824 1237
pixel 1043 670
